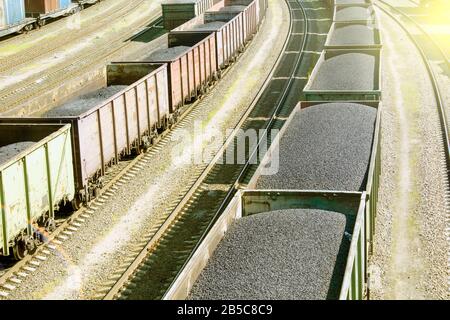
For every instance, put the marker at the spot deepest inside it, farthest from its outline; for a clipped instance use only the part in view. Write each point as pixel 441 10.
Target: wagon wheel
pixel 24 247
pixel 41 23
pixel 76 204
pixel 97 192
pixel 50 225
pixel 28 27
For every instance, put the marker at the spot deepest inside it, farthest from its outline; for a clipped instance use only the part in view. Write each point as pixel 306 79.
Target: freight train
pixel 329 166
pixel 17 16
pixel 62 157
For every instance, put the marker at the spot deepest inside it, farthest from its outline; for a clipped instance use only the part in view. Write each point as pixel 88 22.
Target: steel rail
pixel 177 212
pixel 434 81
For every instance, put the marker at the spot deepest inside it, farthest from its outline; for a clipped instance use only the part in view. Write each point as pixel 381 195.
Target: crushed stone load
pixel 11 150
pixel 209 26
pixel 354 13
pixel 167 53
pixel 232 8
pixel 348 71
pixel 325 147
pixel 85 102
pixel 353 34
pixel 284 254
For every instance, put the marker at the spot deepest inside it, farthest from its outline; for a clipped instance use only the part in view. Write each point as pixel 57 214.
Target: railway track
pixel 47 47
pixel 13 99
pixel 430 52
pixel 156 267
pixel 12 273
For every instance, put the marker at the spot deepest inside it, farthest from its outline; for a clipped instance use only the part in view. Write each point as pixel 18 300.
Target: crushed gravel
pixel 326 147
pixel 354 13
pixel 85 262
pixel 85 102
pixel 348 71
pixel 167 53
pixel 410 258
pixel 232 9
pixel 11 150
pixel 284 254
pixel 353 34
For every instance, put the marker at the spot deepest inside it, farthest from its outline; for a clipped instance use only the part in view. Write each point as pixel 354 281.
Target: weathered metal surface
pixel 229 37
pixel 177 12
pixel 63 4
pixel 35 181
pixel 192 70
pixel 34 8
pixel 12 12
pixel 373 94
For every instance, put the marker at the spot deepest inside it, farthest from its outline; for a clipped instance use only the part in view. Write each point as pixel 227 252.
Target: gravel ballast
pixel 326 147
pixel 167 53
pixel 284 254
pixel 353 34
pixel 354 13
pixel 85 102
pixel 347 71
pixel 11 150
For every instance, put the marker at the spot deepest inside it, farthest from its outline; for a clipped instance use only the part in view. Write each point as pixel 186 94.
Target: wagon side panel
pixel 60 167
pixel 15 200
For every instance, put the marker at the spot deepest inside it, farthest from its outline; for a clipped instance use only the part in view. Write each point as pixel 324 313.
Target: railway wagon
pixel 261 6
pixel 351 35
pixel 345 74
pixel 191 66
pixel 43 10
pixel 229 34
pixel 12 17
pixel 250 20
pixel 248 203
pixel 36 176
pixel 358 12
pixel 356 168
pixel 177 12
pixel 250 12
pixel 105 131
pixel 12 12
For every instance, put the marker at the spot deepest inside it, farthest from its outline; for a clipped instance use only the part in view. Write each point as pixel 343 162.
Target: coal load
pixel 353 34
pixel 354 13
pixel 167 54
pixel 11 150
pixel 325 147
pixel 209 26
pixel 285 254
pixel 348 71
pixel 86 102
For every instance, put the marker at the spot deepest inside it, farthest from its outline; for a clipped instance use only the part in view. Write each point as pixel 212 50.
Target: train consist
pixel 63 156
pixel 17 16
pixel 329 165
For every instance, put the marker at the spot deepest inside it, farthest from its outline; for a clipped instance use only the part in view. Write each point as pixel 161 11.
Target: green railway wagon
pixel 35 179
